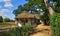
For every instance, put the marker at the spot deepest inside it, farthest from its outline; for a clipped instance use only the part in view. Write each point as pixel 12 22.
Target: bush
pixel 20 31
pixel 55 25
pixel 1 19
pixel 6 20
pixel 45 18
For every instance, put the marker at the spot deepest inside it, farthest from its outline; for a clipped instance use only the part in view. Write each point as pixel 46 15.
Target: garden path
pixel 42 30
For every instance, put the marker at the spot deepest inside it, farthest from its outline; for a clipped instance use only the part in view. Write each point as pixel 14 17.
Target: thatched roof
pixel 27 15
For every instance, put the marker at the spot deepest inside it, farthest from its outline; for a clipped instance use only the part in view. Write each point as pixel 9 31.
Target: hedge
pixel 55 24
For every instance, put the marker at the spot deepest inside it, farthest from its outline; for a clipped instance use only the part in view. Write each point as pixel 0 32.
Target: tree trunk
pixel 50 9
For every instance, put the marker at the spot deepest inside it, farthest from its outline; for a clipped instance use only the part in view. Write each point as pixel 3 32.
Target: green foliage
pixel 45 18
pixel 28 6
pixel 56 5
pixel 21 31
pixel 35 1
pixel 55 24
pixel 6 19
pixel 18 10
pixel 28 27
pixel 1 19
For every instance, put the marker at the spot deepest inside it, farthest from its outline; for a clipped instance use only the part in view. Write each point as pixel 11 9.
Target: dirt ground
pixel 42 30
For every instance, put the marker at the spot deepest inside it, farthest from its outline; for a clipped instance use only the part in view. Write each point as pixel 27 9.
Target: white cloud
pixel 6 13
pixel 4 0
pixel 8 4
pixel 3 12
pixel 7 0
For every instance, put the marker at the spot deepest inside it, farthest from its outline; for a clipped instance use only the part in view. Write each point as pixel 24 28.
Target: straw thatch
pixel 27 15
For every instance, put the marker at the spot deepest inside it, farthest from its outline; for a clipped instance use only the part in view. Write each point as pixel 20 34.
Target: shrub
pixel 20 31
pixel 6 20
pixel 45 18
pixel 1 19
pixel 55 24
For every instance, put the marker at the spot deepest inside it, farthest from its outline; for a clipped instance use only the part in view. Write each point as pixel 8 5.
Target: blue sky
pixel 7 7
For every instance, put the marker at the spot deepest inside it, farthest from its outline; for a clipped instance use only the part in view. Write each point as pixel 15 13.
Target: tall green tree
pixel 43 4
pixel 18 10
pixel 46 4
pixel 52 6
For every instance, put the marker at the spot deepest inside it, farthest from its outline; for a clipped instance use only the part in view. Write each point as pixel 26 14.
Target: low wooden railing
pixel 5 25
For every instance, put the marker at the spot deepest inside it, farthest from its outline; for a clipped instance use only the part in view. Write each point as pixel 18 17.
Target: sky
pixel 7 7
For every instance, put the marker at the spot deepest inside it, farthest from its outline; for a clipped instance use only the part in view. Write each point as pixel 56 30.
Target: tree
pixel 32 6
pixel 52 6
pixel 18 10
pixel 42 2
pixel 39 4
pixel 50 9
pixel 1 19
pixel 6 20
